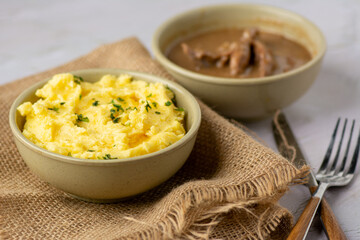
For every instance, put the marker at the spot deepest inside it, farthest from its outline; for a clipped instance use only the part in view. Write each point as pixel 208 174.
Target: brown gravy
pixel 256 54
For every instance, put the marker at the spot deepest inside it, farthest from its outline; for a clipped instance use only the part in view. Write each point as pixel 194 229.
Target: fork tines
pixel 326 167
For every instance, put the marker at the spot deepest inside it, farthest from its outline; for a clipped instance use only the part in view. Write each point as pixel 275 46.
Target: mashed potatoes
pixel 116 117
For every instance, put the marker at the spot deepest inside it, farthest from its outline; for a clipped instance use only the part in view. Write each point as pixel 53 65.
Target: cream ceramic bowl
pixel 107 180
pixel 251 98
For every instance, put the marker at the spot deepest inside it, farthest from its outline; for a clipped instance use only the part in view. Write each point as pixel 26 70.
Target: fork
pixel 328 176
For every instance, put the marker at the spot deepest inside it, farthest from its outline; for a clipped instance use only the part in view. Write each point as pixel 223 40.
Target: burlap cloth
pixel 227 189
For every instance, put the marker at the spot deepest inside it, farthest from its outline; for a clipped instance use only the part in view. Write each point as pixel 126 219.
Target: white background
pixel 37 35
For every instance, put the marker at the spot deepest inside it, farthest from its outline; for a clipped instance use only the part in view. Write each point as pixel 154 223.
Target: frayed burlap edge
pixel 173 223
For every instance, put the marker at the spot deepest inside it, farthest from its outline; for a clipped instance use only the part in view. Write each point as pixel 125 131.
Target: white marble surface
pixel 37 35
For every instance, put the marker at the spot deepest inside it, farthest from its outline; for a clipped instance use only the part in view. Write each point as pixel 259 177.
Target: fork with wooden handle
pixel 290 149
pixel 329 175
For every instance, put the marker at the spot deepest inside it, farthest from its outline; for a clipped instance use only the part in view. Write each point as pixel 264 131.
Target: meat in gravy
pixel 239 53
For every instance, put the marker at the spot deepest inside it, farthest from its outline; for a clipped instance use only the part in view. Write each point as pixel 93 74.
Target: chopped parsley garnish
pixel 90 150
pixel 174 98
pixel 168 103
pixel 56 109
pixel 158 112
pixel 113 118
pixel 128 108
pixel 96 103
pixel 116 120
pixel 81 118
pixel 155 104
pixel 126 125
pixel 78 79
pixel 69 154
pixel 62 103
pixel 112 115
pixel 118 106
pixel 135 108
pixel 80 96
pixel 120 99
pixel 147 106
pixel 149 95
pixel 180 109
pixel 108 156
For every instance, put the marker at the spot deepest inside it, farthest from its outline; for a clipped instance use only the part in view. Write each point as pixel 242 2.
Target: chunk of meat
pixel 199 54
pixel 264 59
pixel 225 50
pixel 240 57
pixel 236 55
pixel 249 34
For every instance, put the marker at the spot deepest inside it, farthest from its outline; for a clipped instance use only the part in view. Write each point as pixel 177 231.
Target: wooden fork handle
pixel 301 227
pixel 333 228
pixel 328 218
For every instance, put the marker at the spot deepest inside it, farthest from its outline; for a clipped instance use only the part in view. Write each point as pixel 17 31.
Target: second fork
pixel 328 176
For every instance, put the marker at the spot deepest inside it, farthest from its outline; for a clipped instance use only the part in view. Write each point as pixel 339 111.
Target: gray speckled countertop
pixel 41 34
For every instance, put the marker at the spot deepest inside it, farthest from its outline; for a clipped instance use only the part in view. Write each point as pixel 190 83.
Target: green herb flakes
pixel 118 106
pixel 90 150
pixel 56 109
pixel 78 79
pixel 180 109
pixel 108 156
pixel 116 120
pixel 155 104
pixel 147 106
pixel 81 118
pixel 120 99
pixel 96 103
pixel 158 112
pixel 62 103
pixel 148 96
pixel 168 103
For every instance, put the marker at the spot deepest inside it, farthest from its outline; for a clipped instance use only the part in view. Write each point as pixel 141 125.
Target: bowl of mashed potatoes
pixel 105 134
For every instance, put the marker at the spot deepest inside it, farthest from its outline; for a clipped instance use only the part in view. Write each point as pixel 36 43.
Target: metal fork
pixel 329 175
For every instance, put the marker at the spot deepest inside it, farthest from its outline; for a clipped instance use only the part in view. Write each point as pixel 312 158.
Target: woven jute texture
pixel 227 189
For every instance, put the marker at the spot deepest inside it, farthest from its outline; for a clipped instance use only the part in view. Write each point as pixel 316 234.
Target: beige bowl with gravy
pixel 243 98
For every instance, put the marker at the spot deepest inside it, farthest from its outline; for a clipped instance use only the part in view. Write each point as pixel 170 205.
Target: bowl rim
pixel 141 76
pixel 160 56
